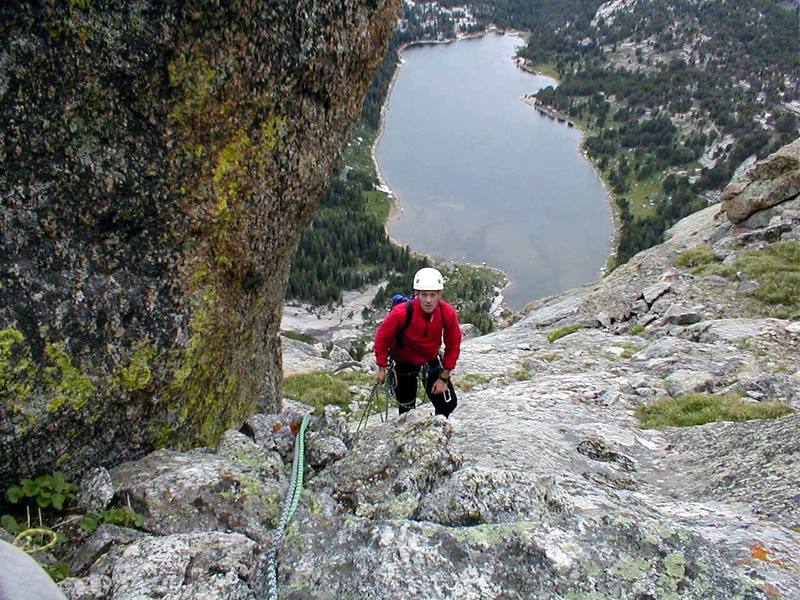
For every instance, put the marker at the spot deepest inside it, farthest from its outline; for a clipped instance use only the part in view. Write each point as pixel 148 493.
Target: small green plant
pixel 637 329
pixel 557 334
pixel 696 257
pixel 550 357
pixel 45 490
pixel 698 409
pixel 298 336
pixel 124 517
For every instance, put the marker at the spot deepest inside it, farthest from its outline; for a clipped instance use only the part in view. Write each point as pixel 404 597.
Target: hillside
pixel 673 97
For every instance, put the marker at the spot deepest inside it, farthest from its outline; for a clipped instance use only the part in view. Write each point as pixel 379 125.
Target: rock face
pixel 157 163
pixel 542 484
pixel 765 184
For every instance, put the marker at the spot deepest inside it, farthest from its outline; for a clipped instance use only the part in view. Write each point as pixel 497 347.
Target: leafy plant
pixel 124 517
pixel 45 490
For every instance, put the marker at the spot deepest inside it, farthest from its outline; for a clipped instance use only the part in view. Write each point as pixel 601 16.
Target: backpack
pixel 397 299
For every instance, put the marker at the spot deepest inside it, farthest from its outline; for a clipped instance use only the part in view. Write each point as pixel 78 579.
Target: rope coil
pixel 290 504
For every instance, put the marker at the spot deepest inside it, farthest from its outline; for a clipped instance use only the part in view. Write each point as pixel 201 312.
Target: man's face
pixel 428 300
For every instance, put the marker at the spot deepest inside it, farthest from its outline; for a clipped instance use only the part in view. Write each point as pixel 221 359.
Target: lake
pixel 483 177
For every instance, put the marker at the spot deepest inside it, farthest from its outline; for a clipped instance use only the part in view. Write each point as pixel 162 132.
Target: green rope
pixel 289 506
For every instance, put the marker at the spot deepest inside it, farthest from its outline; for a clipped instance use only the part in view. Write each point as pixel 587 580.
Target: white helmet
pixel 428 279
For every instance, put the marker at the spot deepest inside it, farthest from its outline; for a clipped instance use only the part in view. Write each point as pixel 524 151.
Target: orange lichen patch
pixel 277 427
pixel 295 427
pixel 772 591
pixel 758 552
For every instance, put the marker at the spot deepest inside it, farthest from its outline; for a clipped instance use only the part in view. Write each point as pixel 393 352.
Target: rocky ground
pixel 541 485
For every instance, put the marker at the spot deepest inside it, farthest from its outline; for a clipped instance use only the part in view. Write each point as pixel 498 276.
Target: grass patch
pixel 698 409
pixel 358 155
pixel 377 205
pixel 776 269
pixel 471 380
pixel 696 257
pixel 550 357
pixel 546 69
pixel 557 334
pixel 321 388
pixel 637 329
pixel 630 349
pixel 300 337
pixel 643 195
pixel 521 374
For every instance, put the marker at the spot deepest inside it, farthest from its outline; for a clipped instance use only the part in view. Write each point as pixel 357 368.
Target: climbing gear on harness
pixel 428 279
pixel 290 504
pixel 389 384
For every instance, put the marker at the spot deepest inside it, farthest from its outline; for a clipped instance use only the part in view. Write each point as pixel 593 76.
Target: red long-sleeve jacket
pixel 422 338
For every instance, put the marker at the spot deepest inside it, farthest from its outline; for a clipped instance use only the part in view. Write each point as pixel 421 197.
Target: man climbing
pixel 412 334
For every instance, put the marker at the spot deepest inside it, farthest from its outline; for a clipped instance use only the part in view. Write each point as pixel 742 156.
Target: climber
pixel 412 335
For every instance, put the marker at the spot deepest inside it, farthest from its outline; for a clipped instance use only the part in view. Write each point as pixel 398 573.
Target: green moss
pixel 16 368
pixel 550 357
pixel 69 384
pixel 698 409
pixel 696 257
pixel 557 334
pixel 137 375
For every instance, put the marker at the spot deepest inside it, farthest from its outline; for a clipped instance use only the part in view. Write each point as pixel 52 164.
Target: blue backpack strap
pixel 409 314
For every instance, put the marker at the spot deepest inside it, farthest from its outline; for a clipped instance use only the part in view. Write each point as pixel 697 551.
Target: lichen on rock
pixel 158 162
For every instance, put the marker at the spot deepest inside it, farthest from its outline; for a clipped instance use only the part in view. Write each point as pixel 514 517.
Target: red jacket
pixel 422 338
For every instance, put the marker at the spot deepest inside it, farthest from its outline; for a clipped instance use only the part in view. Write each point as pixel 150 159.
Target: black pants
pixel 406 388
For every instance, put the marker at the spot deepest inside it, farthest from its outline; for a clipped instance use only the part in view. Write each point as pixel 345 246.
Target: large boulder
pixel 767 183
pixel 158 161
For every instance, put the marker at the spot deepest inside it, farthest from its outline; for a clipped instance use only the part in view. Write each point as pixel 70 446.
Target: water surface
pixel 482 177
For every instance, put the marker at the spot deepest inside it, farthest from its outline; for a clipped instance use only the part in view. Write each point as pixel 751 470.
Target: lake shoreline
pixel 616 217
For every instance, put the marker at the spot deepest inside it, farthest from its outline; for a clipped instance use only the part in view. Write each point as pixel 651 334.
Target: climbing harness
pixel 289 506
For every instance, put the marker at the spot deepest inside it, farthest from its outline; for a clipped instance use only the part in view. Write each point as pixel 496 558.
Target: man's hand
pixel 381 375
pixel 439 386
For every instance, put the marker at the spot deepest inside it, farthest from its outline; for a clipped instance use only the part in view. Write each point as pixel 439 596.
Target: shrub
pixel 698 409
